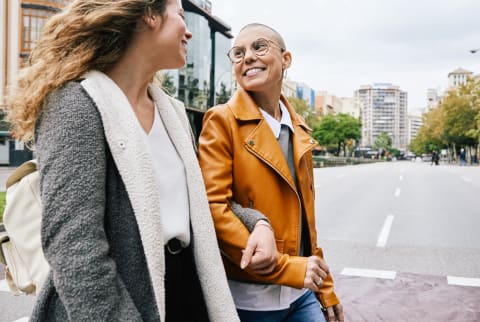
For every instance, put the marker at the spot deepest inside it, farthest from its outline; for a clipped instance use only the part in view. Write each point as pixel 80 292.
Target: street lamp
pixel 473 51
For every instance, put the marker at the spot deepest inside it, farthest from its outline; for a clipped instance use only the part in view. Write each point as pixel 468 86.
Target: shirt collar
pixel 276 125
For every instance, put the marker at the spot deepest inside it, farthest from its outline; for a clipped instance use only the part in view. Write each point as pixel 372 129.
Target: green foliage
pixel 223 95
pixel 383 141
pixel 302 108
pixel 167 84
pixel 2 204
pixel 455 122
pixel 337 130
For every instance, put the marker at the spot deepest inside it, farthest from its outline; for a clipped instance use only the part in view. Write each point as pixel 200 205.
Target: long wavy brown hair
pixel 86 35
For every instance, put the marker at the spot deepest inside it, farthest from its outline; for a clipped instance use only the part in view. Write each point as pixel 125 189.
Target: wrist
pixel 263 223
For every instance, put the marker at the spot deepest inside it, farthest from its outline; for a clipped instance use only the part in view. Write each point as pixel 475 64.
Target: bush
pixel 2 204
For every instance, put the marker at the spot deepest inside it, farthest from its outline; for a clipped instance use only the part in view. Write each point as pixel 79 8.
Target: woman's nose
pixel 249 55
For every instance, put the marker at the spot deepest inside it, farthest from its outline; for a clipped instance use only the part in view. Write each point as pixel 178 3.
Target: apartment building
pixel 458 77
pixel 415 122
pixel 326 103
pixel 384 109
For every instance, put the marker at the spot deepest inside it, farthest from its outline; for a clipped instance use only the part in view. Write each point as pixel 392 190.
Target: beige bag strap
pixel 25 169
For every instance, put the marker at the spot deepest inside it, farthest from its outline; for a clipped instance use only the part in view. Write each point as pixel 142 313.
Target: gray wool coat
pixel 101 232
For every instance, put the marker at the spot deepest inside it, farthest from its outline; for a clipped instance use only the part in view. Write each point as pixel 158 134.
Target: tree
pixel 167 84
pixel 302 109
pixel 383 142
pixel 338 130
pixel 223 95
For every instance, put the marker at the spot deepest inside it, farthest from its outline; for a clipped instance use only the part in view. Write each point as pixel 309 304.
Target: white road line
pixel 400 178
pixel 4 286
pixel 383 236
pixel 24 319
pixel 369 273
pixel 463 281
pixel 397 192
pixel 341 175
pixel 466 179
pixel 317 186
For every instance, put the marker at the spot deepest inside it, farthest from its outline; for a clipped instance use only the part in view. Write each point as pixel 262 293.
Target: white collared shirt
pixel 266 297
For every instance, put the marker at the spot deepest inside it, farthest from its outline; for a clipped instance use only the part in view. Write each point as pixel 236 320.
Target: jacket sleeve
pixel 216 161
pixel 71 151
pixel 248 216
pixel 326 295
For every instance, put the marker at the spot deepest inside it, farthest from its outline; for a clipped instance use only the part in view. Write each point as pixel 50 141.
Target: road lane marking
pixel 341 176
pixel 24 319
pixel 369 273
pixel 466 179
pixel 317 186
pixel 463 281
pixel 4 286
pixel 401 178
pixel 383 236
pixel 397 192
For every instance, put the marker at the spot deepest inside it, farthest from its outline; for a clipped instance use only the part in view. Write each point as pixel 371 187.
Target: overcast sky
pixel 338 45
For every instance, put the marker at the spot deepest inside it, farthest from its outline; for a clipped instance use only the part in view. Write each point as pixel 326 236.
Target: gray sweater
pixel 99 235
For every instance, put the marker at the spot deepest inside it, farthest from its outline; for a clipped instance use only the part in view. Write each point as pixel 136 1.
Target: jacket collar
pixel 244 108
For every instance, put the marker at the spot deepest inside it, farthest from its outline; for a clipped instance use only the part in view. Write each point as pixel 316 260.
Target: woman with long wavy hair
pixel 126 227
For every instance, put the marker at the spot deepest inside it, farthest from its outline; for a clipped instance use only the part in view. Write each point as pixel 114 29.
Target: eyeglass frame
pixel 270 43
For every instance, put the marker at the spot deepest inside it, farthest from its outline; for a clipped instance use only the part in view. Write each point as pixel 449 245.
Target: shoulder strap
pixel 25 169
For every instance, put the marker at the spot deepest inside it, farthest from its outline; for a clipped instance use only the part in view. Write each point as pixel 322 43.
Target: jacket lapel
pixel 127 144
pixel 260 140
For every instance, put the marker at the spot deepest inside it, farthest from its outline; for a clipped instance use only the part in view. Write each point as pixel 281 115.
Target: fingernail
pixel 243 264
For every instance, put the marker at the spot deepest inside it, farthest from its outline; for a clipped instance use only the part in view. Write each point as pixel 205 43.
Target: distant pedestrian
pixel 463 160
pixel 434 158
pixel 126 226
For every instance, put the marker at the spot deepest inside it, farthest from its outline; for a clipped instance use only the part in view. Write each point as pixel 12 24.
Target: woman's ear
pixel 286 59
pixel 150 19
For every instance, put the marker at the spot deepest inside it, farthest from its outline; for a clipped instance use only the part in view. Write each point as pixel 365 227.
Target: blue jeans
pixel 304 309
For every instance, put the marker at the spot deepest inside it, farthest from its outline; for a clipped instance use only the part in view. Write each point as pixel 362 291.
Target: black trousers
pixel 183 294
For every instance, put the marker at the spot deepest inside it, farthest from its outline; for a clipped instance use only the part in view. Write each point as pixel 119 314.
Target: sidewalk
pixel 409 297
pixel 4 174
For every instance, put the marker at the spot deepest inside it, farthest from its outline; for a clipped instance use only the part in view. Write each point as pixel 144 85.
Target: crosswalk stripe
pixel 24 319
pixel 463 281
pixel 361 272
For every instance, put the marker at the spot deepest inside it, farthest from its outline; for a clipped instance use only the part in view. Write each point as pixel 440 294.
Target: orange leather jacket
pixel 241 160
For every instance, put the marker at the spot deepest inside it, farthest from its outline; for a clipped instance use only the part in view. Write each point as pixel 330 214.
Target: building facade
pixel 350 106
pixel 326 103
pixel 384 109
pixel 22 22
pixel 458 77
pixel 415 122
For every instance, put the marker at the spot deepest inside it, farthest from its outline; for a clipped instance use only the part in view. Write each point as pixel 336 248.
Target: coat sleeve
pixel 216 161
pixel 71 151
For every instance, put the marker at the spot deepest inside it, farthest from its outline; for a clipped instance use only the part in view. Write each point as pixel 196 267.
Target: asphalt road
pixel 409 226
pixel 401 240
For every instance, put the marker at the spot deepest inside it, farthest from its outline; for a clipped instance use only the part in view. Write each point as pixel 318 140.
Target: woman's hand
pixel 260 254
pixel 317 271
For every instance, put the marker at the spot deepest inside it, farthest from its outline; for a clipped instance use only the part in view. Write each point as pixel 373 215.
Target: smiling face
pixel 264 73
pixel 172 36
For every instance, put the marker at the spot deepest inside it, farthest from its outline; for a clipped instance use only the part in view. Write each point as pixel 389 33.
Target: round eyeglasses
pixel 259 47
